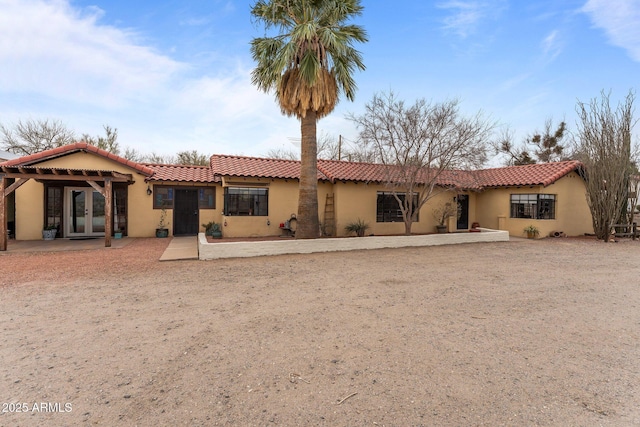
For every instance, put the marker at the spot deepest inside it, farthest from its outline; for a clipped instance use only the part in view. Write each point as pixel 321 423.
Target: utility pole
pixel 339 147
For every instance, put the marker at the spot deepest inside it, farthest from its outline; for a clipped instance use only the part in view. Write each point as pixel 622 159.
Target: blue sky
pixel 175 75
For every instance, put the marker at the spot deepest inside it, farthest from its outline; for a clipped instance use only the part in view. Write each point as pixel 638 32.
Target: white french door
pixel 84 211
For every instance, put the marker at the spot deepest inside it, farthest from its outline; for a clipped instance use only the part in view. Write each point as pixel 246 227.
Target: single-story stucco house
pixel 85 191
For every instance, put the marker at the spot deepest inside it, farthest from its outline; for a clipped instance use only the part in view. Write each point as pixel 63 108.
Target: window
pixel 534 206
pixel 246 201
pixel 162 197
pixel 120 208
pixel 53 208
pixel 207 198
pixel 388 209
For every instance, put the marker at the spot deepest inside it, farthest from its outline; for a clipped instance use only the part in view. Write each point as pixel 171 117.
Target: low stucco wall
pixel 280 247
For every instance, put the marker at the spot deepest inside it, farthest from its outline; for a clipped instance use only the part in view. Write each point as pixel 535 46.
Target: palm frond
pixel 315 46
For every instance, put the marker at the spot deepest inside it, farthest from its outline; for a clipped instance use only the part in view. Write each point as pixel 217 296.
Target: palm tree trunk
pixel 308 223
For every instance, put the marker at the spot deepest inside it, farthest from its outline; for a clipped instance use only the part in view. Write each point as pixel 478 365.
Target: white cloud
pixel 61 62
pixel 552 45
pixel 467 15
pixel 57 51
pixel 620 19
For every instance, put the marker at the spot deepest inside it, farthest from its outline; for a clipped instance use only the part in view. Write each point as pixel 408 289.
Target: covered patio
pixel 13 177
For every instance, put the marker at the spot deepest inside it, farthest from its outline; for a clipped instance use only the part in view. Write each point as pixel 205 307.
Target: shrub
pixel 359 227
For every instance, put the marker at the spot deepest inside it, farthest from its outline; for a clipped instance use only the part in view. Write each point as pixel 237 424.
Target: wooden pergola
pixel 22 174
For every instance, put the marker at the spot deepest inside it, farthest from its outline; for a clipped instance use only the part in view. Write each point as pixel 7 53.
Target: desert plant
pixel 531 231
pixel 359 227
pixel 443 212
pixel 211 227
pixel 163 219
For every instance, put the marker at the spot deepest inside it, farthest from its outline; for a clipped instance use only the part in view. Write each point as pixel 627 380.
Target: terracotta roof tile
pixel 352 171
pixel 537 174
pixel 375 172
pixel 331 170
pixel 223 165
pixel 181 173
pixel 73 148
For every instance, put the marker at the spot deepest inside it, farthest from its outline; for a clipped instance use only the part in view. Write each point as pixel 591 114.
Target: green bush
pixel 359 227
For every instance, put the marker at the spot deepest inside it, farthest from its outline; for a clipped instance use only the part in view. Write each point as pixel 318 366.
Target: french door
pixel 84 211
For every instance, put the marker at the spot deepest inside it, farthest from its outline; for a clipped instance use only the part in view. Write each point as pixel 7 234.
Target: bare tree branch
pixel 32 136
pixel 109 142
pixel 418 143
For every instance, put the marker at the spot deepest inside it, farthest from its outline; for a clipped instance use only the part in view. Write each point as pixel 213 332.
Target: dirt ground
pixel 521 333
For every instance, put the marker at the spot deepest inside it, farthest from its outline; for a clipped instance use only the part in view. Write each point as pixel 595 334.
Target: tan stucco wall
pixel 358 200
pixel 351 201
pixel 283 201
pixel 572 212
pixel 142 218
pixel 150 218
pixel 29 211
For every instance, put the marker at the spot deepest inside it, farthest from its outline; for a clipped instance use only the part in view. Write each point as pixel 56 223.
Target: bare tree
pixel 328 149
pixel 282 153
pixel 133 155
pixel 604 147
pixel 192 157
pixel 109 142
pixel 418 143
pixel 32 136
pixel 332 148
pixel 161 159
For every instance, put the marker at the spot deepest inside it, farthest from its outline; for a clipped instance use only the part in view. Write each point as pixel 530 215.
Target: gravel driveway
pixel 502 334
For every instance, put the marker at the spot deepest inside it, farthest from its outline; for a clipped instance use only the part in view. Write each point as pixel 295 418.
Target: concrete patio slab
pixel 59 245
pixel 181 248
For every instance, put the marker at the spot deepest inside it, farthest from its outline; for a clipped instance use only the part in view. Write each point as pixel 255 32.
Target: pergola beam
pixel 23 174
pixel 98 188
pixel 3 212
pixel 108 208
pixel 13 187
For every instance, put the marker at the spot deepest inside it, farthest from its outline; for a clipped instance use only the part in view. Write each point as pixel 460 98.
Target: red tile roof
pixel 375 172
pixel 353 171
pixel 223 165
pixel 181 173
pixel 329 170
pixel 537 174
pixel 73 148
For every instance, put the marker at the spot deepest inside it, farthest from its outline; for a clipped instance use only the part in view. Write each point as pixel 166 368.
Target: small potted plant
pixel 359 227
pixel 117 234
pixel 49 232
pixel 213 229
pixel 442 214
pixel 531 231
pixel 162 230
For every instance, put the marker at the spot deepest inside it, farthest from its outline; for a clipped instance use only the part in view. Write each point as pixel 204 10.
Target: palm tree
pixel 308 63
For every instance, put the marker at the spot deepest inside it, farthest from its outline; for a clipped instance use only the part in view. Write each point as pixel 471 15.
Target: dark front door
pixel 185 212
pixel 463 212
